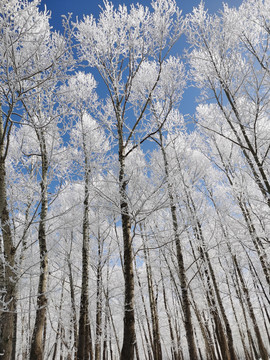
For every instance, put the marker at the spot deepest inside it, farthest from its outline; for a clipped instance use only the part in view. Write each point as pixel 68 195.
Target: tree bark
pixel 262 349
pixel 230 352
pixel 8 286
pixel 85 341
pixel 73 305
pixel 36 352
pixel 99 303
pixel 157 350
pixel 174 352
pixel 149 342
pixel 129 337
pixel 8 275
pixel 180 262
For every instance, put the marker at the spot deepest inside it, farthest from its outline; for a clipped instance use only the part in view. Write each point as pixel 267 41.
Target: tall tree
pixel 89 140
pixel 30 55
pixel 121 44
pixel 228 60
pixel 42 117
pixel 163 105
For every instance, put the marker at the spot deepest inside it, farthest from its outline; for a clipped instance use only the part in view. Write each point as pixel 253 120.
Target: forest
pixel 130 230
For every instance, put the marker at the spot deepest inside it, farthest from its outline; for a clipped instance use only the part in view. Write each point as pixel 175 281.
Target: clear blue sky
pixel 81 7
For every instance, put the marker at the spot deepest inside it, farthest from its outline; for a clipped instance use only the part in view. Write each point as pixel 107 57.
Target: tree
pixel 90 143
pixel 30 56
pixel 123 46
pixel 43 117
pixel 163 102
pixel 113 205
pixel 228 61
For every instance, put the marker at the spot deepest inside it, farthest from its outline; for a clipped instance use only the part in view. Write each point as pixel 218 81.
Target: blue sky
pixel 80 7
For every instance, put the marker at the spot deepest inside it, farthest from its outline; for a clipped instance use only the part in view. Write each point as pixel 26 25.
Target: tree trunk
pixel 15 321
pixel 174 352
pixel 235 316
pixel 230 347
pixel 36 352
pixel 180 262
pixel 73 305
pixel 146 315
pixel 8 275
pixel 157 351
pixel 239 295
pixel 129 337
pixel 213 309
pixel 85 341
pixel 209 349
pixel 261 346
pixel 59 325
pixel 256 241
pixel 99 304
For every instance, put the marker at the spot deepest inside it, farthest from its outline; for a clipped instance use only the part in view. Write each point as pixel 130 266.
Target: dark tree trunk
pixel 36 352
pixel 73 306
pixel 129 339
pixel 8 275
pixel 99 304
pixel 180 262
pixel 262 349
pixel 85 340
